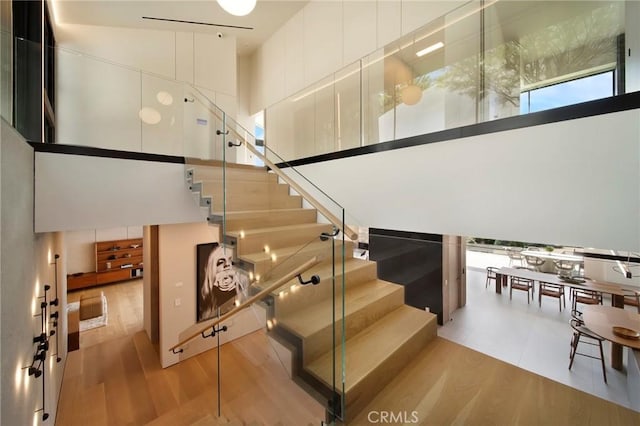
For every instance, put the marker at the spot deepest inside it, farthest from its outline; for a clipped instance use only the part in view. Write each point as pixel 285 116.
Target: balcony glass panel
pixel 479 62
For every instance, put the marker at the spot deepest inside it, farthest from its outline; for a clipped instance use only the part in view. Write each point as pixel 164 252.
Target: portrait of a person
pixel 220 283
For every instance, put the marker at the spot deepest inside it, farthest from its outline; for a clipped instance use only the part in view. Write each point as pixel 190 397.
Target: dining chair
pixel 564 267
pixel 581 334
pixel 534 262
pixel 492 274
pixel 584 296
pixel 552 290
pixel 523 284
pixel 632 298
pixel 515 257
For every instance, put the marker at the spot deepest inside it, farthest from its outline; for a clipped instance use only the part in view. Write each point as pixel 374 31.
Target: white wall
pixel 177 262
pixel 570 183
pixel 95 192
pixel 326 36
pixel 25 268
pixel 106 75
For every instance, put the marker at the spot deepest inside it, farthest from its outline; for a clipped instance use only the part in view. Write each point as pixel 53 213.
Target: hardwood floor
pixel 450 384
pixel 116 378
pixel 119 381
pixel 124 306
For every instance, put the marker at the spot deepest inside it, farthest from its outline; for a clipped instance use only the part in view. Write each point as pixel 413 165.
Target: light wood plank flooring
pixel 125 311
pixel 116 378
pixel 119 381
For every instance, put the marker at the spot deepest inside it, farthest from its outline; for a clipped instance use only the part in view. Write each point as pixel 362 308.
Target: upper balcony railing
pixel 482 61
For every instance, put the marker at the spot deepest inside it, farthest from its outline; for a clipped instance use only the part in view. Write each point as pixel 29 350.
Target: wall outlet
pixel 177 302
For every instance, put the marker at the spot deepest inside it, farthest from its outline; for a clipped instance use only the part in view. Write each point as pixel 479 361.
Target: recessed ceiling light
pixel 237 7
pixel 430 49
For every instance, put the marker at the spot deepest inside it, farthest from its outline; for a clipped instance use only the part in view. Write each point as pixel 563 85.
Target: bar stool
pixel 581 334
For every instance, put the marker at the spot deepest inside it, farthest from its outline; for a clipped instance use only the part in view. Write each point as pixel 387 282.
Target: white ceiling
pixel 266 18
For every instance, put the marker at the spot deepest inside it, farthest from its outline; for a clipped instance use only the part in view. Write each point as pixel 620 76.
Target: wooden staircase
pixel 382 334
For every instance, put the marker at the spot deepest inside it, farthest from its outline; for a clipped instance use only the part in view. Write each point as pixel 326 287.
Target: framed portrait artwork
pixel 218 281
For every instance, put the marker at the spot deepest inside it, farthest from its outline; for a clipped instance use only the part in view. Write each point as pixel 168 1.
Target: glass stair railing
pixel 285 237
pixel 284 249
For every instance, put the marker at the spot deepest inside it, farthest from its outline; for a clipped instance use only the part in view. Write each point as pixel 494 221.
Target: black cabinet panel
pixel 413 260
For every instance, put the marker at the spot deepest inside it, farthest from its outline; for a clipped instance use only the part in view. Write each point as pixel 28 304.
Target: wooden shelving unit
pixel 116 260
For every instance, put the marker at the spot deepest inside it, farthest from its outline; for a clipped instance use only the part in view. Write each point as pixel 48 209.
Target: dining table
pixel 616 291
pixel 601 320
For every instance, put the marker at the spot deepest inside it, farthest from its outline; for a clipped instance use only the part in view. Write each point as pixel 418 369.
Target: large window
pixel 34 44
pixel 571 92
pixel 482 61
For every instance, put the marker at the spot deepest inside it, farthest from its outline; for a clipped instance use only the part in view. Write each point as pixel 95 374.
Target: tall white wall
pixel 74 192
pixel 574 183
pixel 177 271
pixel 26 266
pixel 100 89
pixel 326 36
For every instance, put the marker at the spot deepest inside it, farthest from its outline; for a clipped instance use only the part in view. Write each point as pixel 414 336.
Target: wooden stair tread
pixel 278 229
pixel 285 252
pixel 198 163
pixel 239 213
pixel 312 319
pixel 325 270
pixel 369 348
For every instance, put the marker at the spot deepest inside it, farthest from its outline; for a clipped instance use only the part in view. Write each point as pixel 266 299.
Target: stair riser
pixel 262 267
pixel 278 239
pixel 294 217
pixel 216 189
pixel 233 174
pixel 317 344
pixel 367 389
pixel 310 294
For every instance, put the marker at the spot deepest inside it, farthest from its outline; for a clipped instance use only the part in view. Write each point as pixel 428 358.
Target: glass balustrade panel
pixel 481 61
pixel 275 222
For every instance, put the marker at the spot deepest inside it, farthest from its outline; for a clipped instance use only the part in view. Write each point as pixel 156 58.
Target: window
pixel 571 92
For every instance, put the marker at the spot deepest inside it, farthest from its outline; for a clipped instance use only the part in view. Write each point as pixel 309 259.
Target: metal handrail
pixel 333 219
pixel 278 283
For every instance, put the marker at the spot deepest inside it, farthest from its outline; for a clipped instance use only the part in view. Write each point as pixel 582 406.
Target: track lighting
pixel 33 371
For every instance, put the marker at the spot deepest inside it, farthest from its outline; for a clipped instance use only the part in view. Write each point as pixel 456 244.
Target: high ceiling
pixel 266 18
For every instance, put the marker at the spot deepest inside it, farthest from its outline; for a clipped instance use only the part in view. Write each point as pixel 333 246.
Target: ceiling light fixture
pixel 411 94
pixel 432 48
pixel 237 7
